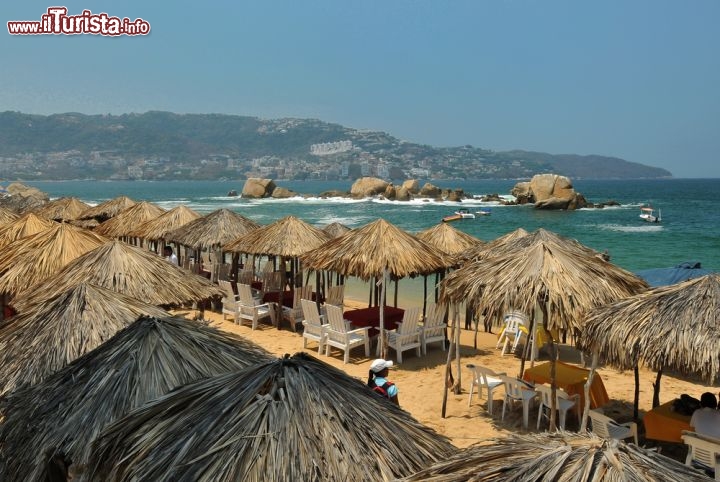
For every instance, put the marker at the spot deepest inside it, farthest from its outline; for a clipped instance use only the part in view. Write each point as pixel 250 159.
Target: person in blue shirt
pixel 378 382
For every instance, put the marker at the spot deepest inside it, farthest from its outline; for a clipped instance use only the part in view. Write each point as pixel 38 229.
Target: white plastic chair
pixel 407 335
pixel 517 391
pixel 563 403
pixel 230 300
pixel 433 329
pixel 336 295
pixel 294 314
pixel 484 377
pixel 338 334
pixel 314 326
pixel 703 451
pixel 608 428
pixel 511 331
pixel 249 309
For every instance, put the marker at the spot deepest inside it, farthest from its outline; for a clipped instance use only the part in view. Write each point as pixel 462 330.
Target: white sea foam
pixel 649 228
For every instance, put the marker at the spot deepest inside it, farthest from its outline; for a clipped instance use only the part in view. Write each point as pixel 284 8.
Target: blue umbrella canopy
pixel 670 276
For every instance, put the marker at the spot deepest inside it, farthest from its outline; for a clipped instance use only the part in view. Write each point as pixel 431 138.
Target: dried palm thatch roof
pixel 33 259
pixel 486 249
pixel 675 327
pixel 108 209
pixel 368 251
pixel 215 229
pixel 448 239
pixel 562 457
pixel 55 330
pixel 142 362
pixel 159 227
pixel 335 230
pixel 7 216
pixel 128 220
pixel 133 271
pixel 295 418
pixel 62 209
pixel 25 225
pixel 289 237
pixel 572 278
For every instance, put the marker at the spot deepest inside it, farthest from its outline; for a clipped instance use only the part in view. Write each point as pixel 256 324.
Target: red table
pixel 274 297
pixel 371 317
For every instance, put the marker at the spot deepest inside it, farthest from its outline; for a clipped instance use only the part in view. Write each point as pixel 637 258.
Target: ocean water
pixel 690 227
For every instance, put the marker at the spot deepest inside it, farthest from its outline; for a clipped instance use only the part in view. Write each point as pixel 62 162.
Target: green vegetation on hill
pixel 163 145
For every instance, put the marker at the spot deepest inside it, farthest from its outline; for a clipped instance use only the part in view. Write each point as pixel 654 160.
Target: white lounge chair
pixel 484 377
pixel 434 326
pixel 336 295
pixel 518 391
pixel 703 451
pixel 294 314
pixel 250 309
pixel 407 335
pixel 314 326
pixel 563 403
pixel 230 300
pixel 608 428
pixel 338 334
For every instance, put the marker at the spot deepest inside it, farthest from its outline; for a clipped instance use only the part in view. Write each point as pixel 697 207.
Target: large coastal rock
pixel 283 193
pixel 549 191
pixel 431 191
pixel 402 194
pixel 368 186
pixel 412 186
pixel 21 198
pixel 256 188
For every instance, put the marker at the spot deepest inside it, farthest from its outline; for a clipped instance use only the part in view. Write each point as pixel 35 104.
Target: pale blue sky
pixel 634 79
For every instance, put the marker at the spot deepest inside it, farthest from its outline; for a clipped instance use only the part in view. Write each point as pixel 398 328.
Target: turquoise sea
pixel 690 228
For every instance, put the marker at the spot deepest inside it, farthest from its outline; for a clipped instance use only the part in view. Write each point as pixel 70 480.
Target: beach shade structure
pixel 108 209
pixel 65 412
pixel 562 456
pixel 23 226
pixel 62 209
pixel 377 250
pixel 212 230
pixel 157 229
pixel 294 418
pixel 559 275
pixel 670 276
pixel 33 259
pixel 6 217
pixel 123 223
pixel 484 249
pixel 127 269
pixel 335 230
pixel 55 330
pixel 288 238
pixel 448 239
pixel 673 327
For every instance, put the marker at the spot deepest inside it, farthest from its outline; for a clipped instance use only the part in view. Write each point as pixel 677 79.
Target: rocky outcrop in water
pixel 256 188
pixel 21 198
pixel 549 191
pixel 368 187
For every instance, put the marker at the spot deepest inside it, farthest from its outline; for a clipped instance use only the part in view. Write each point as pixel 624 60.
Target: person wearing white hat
pixel 378 382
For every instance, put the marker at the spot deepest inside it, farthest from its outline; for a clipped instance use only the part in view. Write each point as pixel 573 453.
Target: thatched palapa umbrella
pixel 122 224
pixel 108 209
pixel 212 230
pixel 31 260
pixel 377 250
pixel 559 457
pixel 335 230
pixel 448 239
pixel 157 229
pixel 55 330
pixel 130 270
pixel 24 226
pixel 295 418
pixel 7 217
pixel 486 249
pixel 64 413
pixel 674 327
pixel 561 276
pixel 62 209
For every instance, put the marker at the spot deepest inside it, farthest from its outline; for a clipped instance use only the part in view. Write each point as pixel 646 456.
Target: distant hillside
pixel 163 145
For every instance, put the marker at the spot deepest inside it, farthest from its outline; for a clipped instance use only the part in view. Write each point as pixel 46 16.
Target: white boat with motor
pixel 647 213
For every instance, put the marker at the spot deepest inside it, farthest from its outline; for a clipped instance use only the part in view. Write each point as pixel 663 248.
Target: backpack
pixel 382 390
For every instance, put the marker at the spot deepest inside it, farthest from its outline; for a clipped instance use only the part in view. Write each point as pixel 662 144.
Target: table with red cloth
pixel 287 297
pixel 371 317
pixel 662 423
pixel 571 379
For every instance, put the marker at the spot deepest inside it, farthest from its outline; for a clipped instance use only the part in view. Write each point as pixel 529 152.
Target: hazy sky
pixel 634 79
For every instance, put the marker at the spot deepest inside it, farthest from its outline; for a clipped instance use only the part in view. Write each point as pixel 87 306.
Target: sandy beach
pixel 420 381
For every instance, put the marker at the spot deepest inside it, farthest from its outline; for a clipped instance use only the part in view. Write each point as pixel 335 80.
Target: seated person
pixel 706 419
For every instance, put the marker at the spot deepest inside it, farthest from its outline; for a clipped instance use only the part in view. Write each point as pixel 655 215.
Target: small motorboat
pixel 451 217
pixel 484 212
pixel 461 213
pixel 647 213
